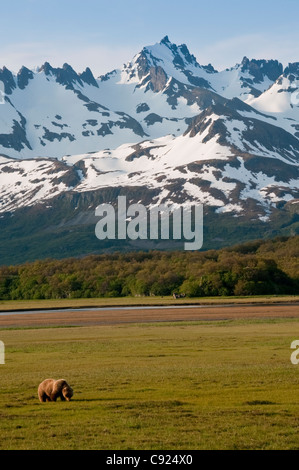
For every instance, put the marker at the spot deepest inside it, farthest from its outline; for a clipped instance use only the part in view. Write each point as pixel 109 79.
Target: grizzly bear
pixel 50 390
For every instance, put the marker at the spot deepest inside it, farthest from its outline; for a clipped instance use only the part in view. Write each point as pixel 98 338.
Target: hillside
pixel 255 268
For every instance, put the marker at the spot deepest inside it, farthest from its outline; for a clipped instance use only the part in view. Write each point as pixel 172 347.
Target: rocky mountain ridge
pixel 161 129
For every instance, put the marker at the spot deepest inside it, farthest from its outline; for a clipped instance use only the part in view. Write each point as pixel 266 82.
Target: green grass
pixel 8 305
pixel 224 385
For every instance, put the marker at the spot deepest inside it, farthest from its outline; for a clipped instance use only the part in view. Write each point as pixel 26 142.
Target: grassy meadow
pixel 208 385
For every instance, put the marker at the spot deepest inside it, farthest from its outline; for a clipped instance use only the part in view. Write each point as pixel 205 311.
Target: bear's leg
pixel 42 397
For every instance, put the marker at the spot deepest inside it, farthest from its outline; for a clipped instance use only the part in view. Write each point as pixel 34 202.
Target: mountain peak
pixel 65 75
pixel 46 68
pixel 7 78
pixel 87 77
pixel 68 67
pixel 262 68
pixel 23 77
pixel 167 60
pixel 165 40
pixel 292 68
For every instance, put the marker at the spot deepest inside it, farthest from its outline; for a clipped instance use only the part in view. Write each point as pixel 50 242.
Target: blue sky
pixel 104 34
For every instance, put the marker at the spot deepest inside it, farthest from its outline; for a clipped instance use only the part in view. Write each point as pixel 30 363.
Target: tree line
pixel 264 267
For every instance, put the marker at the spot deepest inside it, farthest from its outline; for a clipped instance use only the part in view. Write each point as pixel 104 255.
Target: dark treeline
pixel 255 268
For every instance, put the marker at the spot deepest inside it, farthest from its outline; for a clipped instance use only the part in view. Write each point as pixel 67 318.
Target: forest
pixel 262 267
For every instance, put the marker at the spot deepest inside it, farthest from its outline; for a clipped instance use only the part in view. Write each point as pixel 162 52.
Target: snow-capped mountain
pixel 162 128
pixel 281 100
pixel 53 112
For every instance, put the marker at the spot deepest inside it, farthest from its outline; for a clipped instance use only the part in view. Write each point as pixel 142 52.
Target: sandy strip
pixel 114 317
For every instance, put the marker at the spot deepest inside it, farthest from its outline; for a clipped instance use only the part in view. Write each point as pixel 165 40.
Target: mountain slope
pixel 222 160
pixel 281 100
pixel 162 129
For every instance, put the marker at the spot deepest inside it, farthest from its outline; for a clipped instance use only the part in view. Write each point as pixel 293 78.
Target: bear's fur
pixel 50 390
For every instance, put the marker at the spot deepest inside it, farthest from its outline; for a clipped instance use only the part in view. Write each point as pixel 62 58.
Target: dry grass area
pixel 14 305
pixel 148 315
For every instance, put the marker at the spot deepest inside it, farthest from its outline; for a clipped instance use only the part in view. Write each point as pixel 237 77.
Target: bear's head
pixel 67 392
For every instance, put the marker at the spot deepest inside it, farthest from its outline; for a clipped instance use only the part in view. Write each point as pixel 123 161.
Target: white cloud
pixel 103 58
pixel 100 58
pixel 227 53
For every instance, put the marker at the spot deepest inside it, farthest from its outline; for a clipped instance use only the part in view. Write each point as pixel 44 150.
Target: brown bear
pixel 50 390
